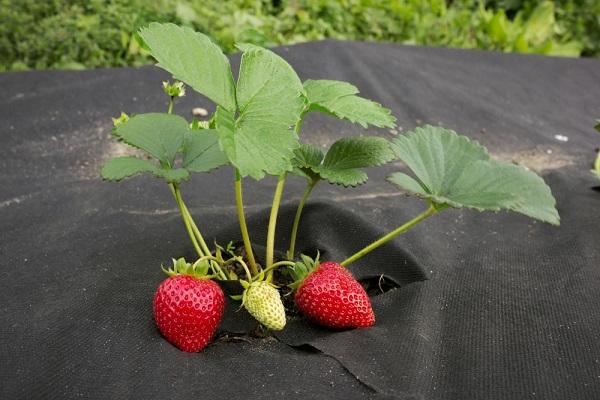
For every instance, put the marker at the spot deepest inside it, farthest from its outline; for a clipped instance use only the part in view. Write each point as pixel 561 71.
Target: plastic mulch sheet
pixel 486 306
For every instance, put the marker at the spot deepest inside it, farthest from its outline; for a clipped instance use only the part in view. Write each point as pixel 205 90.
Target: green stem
pixel 190 224
pixel 214 262
pixel 186 213
pixel 291 252
pixel 273 223
pixel 597 165
pixel 280 263
pixel 242 219
pixel 175 190
pixel 276 265
pixel 245 266
pixel 429 212
pixel 195 228
pixel 275 208
pixel 196 237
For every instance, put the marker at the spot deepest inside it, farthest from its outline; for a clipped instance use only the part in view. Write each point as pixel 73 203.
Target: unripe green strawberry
pixel 263 302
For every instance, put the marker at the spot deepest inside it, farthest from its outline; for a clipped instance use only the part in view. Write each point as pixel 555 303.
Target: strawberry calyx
pixel 198 269
pixel 302 269
pixel 246 284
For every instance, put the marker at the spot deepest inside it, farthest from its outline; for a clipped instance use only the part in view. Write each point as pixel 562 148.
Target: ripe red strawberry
pixel 330 296
pixel 187 310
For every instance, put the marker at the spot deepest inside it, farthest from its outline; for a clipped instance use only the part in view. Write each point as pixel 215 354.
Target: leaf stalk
pixel 190 224
pixel 170 108
pixel 292 250
pixel 242 220
pixel 273 224
pixel 386 238
pixel 182 209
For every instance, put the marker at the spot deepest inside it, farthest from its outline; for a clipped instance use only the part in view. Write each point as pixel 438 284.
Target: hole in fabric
pixel 378 285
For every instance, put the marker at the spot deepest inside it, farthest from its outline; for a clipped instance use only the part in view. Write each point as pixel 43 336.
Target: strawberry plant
pixel 256 132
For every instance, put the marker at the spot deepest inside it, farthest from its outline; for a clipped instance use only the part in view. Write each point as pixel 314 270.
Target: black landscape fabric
pixel 487 306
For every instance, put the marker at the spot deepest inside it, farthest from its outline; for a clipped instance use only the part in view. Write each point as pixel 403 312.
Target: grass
pixel 93 33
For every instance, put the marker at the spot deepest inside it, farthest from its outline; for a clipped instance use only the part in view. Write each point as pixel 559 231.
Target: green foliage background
pixel 98 33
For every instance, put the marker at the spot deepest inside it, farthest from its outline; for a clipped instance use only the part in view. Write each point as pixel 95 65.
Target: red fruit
pixel 330 296
pixel 188 310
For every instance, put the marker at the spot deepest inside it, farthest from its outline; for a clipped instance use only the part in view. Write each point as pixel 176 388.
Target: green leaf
pixel 161 135
pixel 497 28
pixel 307 157
pixel 437 156
pixel 570 49
pixel 119 168
pixel 347 156
pixel 260 141
pixel 540 24
pixel 201 151
pixel 192 58
pixel 343 162
pixel 323 90
pixel 340 99
pixel 455 171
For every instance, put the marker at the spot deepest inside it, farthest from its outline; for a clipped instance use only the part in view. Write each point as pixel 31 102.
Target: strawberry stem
pixel 193 225
pixel 292 250
pixel 277 265
pixel 280 263
pixel 273 224
pixel 242 219
pixel 177 194
pixel 190 224
pixel 245 266
pixel 384 239
pixel 275 205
